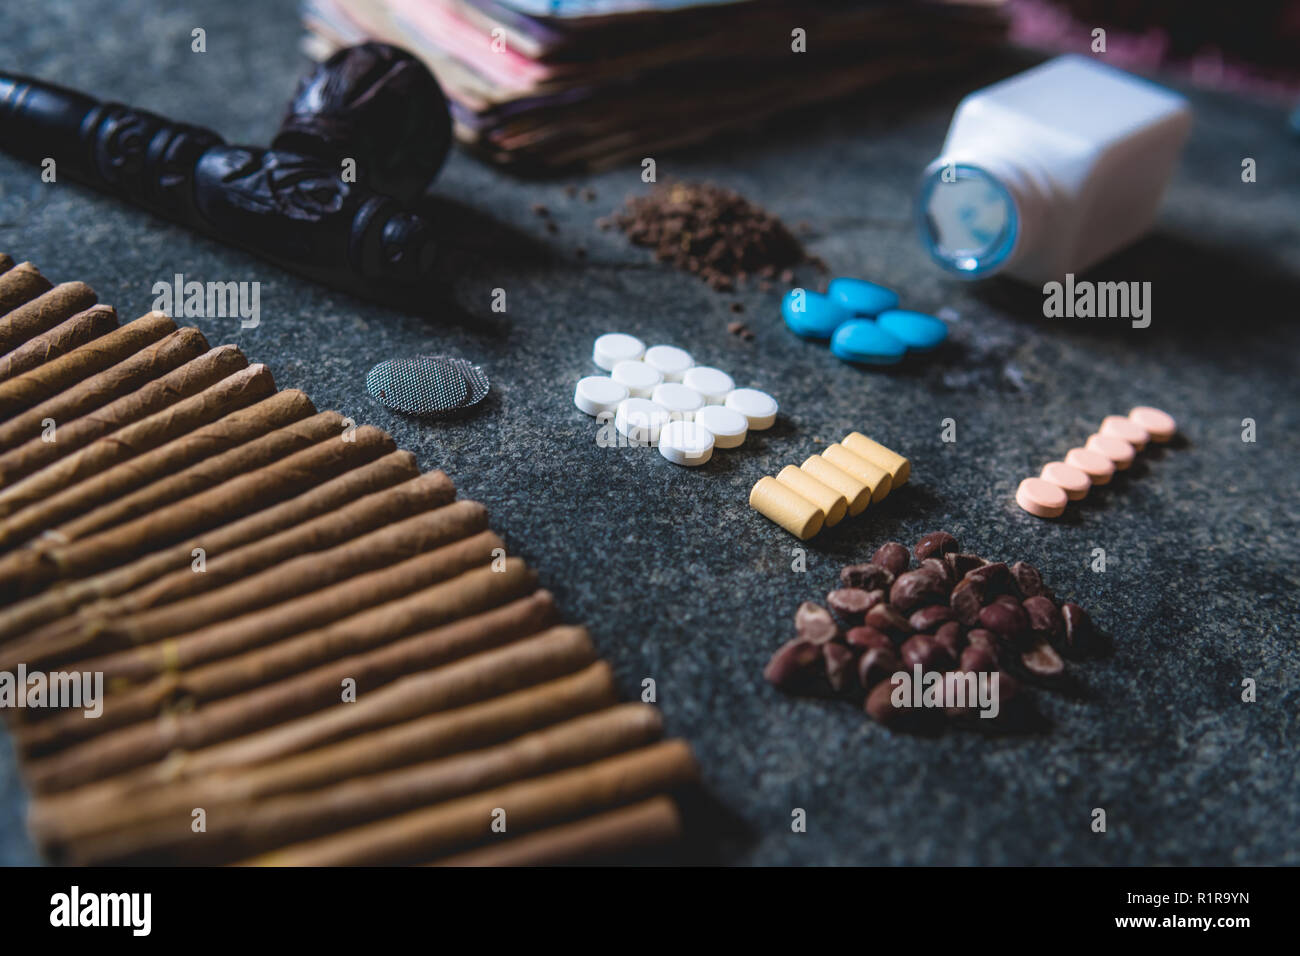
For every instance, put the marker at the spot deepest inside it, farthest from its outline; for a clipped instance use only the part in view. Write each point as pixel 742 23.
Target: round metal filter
pixel 428 385
pixel 475 378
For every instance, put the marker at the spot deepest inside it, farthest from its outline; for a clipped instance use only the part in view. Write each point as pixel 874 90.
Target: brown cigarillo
pixel 262 538
pixel 386 546
pixel 148 473
pixel 645 824
pixel 198 653
pixel 529 661
pixel 312 690
pixel 528 805
pixel 36 385
pixel 182 382
pixel 154 791
pixel 63 338
pixel 243 828
pixel 115 382
pixel 29 570
pixel 20 284
pixel 43 313
pixel 208 473
pixel 488 674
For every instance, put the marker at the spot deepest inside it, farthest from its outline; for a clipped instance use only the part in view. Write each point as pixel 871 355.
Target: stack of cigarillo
pixel 308 651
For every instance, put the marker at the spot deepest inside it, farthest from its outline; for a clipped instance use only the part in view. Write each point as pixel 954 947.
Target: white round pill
pixel 686 443
pixel 614 347
pixel 640 420
pixel 596 394
pixel 728 427
pixel 639 378
pixel 682 400
pixel 669 361
pixel 712 383
pixel 758 407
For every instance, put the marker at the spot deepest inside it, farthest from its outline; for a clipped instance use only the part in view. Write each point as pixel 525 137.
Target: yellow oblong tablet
pixel 877 478
pixel 855 490
pixel 791 511
pixel 898 467
pixel 832 503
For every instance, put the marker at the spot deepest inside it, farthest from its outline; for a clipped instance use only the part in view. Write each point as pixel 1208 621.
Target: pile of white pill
pixel 659 396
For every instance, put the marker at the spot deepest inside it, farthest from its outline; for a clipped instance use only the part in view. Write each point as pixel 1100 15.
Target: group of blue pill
pixel 862 321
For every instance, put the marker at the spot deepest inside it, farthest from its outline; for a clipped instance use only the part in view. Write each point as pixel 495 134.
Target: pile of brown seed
pixel 715 233
pixel 952 612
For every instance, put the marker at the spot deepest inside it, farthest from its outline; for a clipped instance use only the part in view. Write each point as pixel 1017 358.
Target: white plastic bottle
pixel 1050 171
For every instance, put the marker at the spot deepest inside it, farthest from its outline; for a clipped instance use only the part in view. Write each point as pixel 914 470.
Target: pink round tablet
pixel 1125 429
pixel 1041 498
pixel 1118 451
pixel 1159 425
pixel 1097 467
pixel 1073 481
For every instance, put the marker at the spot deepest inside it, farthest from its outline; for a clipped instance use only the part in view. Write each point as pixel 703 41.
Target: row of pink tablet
pixel 1112 449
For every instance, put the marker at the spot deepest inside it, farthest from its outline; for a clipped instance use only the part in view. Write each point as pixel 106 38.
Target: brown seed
pixel 927 619
pixel 852 603
pixel 940 571
pixel 790 661
pixel 966 601
pixel 1044 618
pixel 885 617
pixel 1078 629
pixel 978 658
pixel 959 564
pixel 839 664
pixel 869 638
pixel 1042 660
pixel 1027 579
pixel 735 328
pixel 869 577
pixel 915 588
pixel 979 637
pixel 923 649
pixel 877 664
pixel 949 637
pixel 892 556
pixel 1008 687
pixel 935 544
pixel 993 579
pixel 1011 623
pixel 1007 599
pixel 812 622
pixel 881 707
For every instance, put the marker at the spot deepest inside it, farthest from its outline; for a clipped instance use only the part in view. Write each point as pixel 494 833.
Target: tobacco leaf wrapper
pixel 28 389
pixel 63 338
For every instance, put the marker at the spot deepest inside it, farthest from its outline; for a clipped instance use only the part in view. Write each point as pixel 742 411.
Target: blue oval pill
pixel 811 314
pixel 862 297
pixel 916 329
pixel 862 340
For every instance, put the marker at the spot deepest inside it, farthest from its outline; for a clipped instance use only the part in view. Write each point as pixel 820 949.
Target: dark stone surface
pixel 681 582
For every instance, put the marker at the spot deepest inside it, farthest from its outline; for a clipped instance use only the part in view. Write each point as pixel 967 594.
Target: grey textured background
pixel 681 582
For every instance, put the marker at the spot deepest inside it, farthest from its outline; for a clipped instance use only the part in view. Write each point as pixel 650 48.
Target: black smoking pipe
pixel 292 204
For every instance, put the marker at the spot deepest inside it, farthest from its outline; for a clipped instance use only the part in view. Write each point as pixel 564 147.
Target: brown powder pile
pixel 715 233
